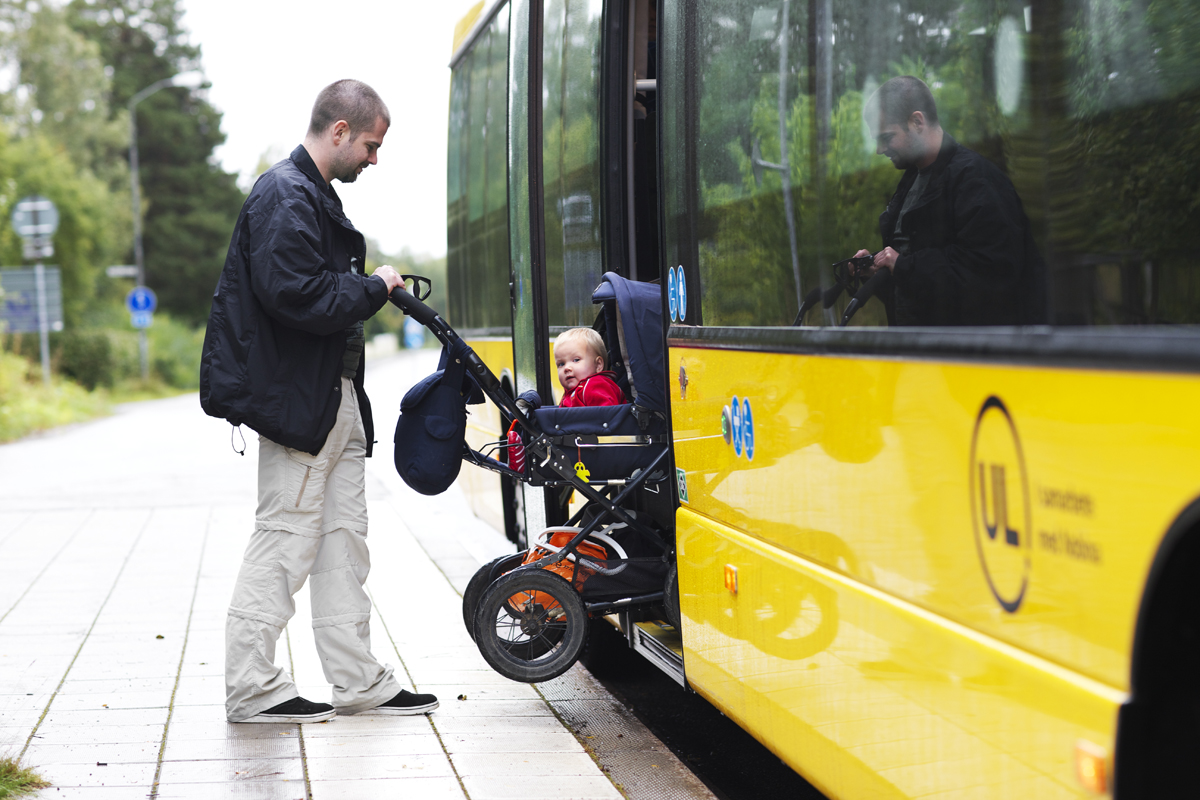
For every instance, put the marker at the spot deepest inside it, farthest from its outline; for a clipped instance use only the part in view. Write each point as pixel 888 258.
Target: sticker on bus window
pixel 672 294
pixel 736 407
pixel 681 480
pixel 681 281
pixel 747 429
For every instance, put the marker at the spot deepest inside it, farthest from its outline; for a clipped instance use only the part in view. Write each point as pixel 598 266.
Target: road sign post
pixel 35 219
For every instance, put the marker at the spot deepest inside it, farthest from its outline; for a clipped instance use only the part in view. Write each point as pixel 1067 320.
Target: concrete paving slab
pixel 100 734
pixel 101 773
pixel 559 741
pixel 472 692
pixel 270 770
pixel 255 790
pixel 508 765
pixel 541 787
pixel 426 744
pixel 94 793
pixel 406 788
pixel 220 729
pixel 231 749
pixel 40 754
pixel 369 766
pixel 369 725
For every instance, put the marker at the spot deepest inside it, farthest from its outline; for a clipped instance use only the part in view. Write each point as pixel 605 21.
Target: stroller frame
pixel 552 452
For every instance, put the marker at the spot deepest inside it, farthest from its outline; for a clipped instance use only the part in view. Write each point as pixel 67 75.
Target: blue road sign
pixel 141 319
pixel 140 299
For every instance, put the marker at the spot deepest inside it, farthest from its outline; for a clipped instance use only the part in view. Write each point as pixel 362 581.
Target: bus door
pixel 559 221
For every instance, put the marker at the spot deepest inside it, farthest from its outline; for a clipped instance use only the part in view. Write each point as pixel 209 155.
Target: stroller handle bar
pixel 487 380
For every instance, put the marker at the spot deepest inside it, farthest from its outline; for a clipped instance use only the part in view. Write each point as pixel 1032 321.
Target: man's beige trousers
pixel 311 523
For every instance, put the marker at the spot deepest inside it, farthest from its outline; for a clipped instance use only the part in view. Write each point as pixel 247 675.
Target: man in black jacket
pixel 283 355
pixel 956 238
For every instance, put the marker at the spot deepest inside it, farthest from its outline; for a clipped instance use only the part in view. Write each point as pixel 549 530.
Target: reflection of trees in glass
pixel 1101 146
pixel 477 186
pixel 1126 176
pixel 570 157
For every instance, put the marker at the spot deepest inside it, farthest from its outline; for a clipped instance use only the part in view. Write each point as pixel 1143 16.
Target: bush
pixel 175 351
pixel 97 357
pixel 103 351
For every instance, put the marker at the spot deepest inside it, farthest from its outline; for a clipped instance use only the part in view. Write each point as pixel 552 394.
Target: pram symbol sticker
pixel 1001 511
pixel 672 294
pixel 747 429
pixel 736 407
pixel 682 282
pixel 740 426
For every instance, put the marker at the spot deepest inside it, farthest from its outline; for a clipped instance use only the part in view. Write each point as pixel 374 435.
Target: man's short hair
pixel 589 338
pixel 895 101
pixel 355 102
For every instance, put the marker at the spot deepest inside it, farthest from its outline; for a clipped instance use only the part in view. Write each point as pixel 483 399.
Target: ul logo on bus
pixel 1000 505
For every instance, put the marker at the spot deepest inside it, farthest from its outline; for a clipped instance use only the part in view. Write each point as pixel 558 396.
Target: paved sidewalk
pixel 120 541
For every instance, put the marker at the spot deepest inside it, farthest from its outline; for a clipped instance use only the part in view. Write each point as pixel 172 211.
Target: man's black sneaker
pixel 406 704
pixel 295 710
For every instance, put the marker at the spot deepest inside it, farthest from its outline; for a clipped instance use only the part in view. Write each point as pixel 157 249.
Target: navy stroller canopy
pixel 633 312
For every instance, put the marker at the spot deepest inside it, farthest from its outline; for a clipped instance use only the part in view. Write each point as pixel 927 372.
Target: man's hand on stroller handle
pixel 390 277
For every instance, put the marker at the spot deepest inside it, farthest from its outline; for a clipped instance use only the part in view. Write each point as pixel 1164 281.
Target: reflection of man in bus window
pixel 955 236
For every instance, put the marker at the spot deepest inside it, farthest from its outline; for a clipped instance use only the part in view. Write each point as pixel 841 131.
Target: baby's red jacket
pixel 595 390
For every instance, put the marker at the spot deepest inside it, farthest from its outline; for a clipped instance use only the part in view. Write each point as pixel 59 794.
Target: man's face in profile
pixel 359 152
pixel 900 143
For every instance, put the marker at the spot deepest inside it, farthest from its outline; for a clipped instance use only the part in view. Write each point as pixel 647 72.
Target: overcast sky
pixel 267 60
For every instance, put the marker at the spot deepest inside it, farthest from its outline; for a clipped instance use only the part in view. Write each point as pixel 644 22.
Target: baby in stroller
pixel 579 356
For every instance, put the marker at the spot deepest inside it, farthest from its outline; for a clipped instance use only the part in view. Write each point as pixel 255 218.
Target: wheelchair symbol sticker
pixel 747 429
pixel 672 294
pixel 736 407
pixel 682 291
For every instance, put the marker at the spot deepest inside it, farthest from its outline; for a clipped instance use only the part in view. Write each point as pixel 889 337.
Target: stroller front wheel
pixel 531 625
pixel 479 583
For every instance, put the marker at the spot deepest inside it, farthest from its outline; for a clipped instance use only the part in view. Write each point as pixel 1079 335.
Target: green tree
pixel 61 142
pixel 190 205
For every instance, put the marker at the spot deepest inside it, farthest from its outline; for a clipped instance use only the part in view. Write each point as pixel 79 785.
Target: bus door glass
pixel 571 84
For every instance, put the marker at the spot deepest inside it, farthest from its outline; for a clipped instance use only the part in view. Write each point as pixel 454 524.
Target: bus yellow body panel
pixel 957 550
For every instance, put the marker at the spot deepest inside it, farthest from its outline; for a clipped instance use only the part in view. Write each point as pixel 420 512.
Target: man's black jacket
pixel 971 257
pixel 287 295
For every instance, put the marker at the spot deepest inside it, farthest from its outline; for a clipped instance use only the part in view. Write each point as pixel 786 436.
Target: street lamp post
pixel 191 80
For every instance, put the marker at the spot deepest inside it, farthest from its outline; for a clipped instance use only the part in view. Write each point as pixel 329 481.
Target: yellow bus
pixel 917 556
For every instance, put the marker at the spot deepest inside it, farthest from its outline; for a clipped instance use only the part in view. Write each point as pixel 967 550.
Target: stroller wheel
pixel 479 583
pixel 530 625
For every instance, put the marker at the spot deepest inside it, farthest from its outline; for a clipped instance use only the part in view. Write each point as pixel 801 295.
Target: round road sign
pixel 140 299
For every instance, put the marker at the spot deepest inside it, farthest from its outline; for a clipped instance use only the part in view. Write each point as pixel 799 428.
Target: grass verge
pixel 28 406
pixel 16 780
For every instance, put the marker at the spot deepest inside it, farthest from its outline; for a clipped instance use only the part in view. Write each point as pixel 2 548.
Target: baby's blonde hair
pixel 589 338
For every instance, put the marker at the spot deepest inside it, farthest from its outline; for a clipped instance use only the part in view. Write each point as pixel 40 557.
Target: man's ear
pixel 916 121
pixel 340 132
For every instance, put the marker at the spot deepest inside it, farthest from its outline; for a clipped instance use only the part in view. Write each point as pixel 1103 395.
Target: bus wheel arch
pixel 1156 740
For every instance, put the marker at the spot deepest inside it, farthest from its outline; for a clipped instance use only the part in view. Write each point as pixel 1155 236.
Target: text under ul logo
pixel 1000 507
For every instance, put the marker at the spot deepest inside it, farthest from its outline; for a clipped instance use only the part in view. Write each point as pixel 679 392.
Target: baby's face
pixel 575 362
